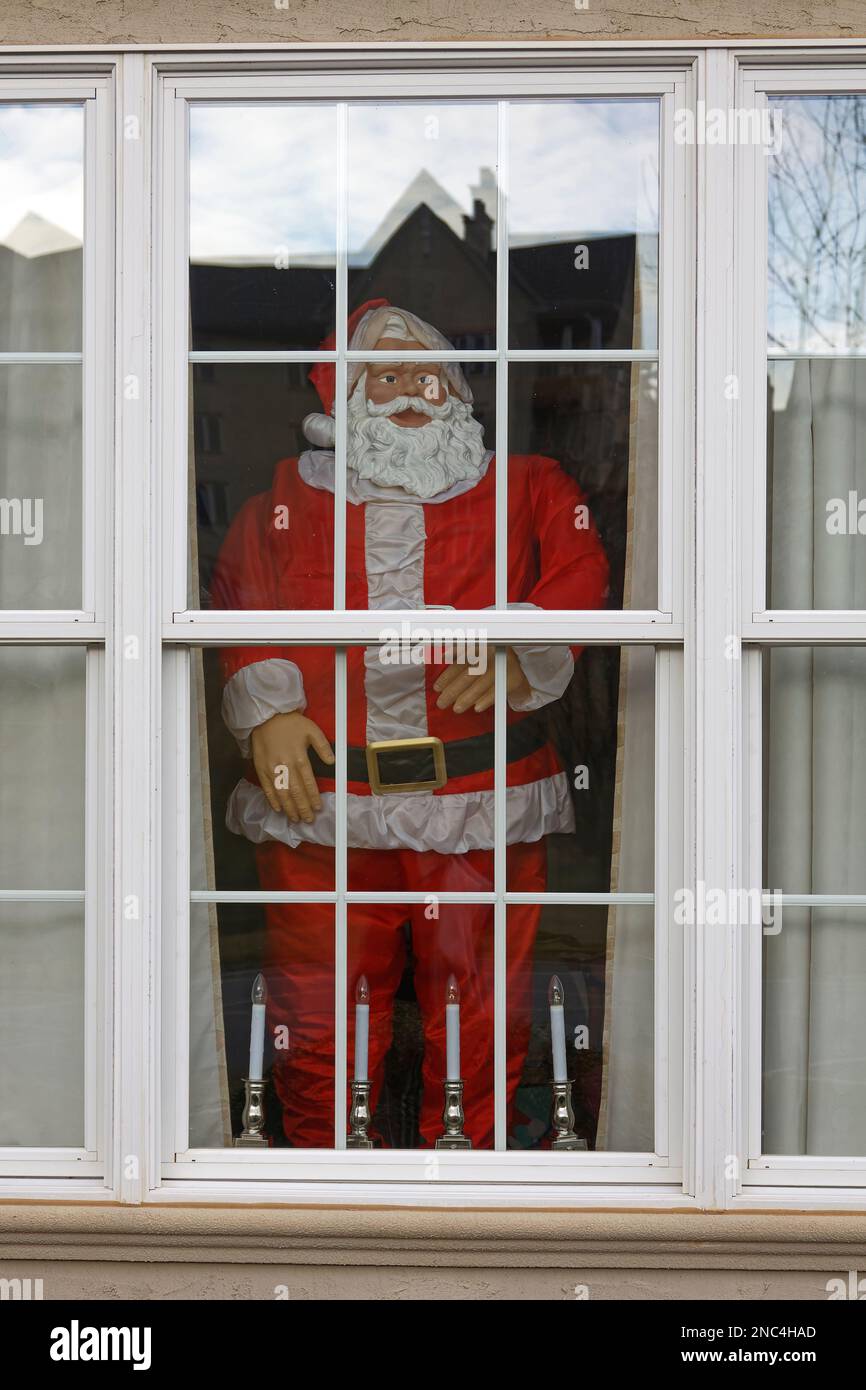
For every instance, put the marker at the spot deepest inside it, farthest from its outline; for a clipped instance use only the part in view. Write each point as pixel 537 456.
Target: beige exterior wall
pixel 97 1252
pixel 203 1253
pixel 388 21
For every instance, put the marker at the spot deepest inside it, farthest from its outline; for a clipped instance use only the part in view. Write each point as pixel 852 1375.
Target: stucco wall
pixel 88 1252
pixel 345 21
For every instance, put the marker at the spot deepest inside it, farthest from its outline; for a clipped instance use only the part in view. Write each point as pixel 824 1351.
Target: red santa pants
pixel 459 941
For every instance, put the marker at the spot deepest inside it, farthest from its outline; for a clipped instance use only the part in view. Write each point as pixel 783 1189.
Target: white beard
pixel 423 461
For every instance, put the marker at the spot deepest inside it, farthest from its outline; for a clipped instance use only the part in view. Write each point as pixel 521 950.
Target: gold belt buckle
pixel 391 745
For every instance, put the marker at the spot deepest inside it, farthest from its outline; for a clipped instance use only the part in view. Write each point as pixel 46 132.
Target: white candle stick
pixel 452 1029
pixel 362 1028
pixel 257 1028
pixel 556 1000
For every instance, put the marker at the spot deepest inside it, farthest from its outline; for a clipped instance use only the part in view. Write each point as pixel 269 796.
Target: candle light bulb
pixel 555 992
pixel 362 991
pixel 260 990
pixel 452 992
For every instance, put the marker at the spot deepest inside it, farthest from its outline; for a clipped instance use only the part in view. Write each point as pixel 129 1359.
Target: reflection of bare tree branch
pixel 817 225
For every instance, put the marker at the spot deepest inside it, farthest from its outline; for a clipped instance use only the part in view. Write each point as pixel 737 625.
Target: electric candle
pixel 452 1029
pixel 362 1028
pixel 556 1000
pixel 257 1028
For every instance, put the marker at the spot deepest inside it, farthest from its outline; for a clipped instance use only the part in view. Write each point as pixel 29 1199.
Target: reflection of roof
pixel 34 236
pixel 423 189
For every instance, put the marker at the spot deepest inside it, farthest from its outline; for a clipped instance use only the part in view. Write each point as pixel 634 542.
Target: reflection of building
pixel 40 411
pixel 40 288
pixel 430 256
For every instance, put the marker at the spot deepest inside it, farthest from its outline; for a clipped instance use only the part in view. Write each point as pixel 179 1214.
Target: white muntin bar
pixel 300 896
pixel 37 359
pixel 820 354
pixel 220 895
pixel 340 665
pixel 500 912
pixel 584 899
pixel 254 355
pixel 605 627
pixel 341 933
pixel 42 895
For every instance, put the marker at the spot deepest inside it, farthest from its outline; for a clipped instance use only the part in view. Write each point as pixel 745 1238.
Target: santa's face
pixel 407 430
pixel 391 381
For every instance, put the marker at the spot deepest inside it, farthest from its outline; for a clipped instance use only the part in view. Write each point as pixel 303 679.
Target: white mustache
pixel 416 403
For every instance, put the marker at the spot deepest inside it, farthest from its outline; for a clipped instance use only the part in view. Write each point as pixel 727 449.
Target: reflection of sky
pixel 583 166
pixel 264 176
pixel 818 180
pixel 41 166
pixel 390 145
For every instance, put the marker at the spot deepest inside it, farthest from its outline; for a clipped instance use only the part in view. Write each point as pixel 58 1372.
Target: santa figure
pixel 420 534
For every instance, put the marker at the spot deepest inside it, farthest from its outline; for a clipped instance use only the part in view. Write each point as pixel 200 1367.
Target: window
pixel 803 675
pixel 54 946
pixel 430 674
pixel 406 272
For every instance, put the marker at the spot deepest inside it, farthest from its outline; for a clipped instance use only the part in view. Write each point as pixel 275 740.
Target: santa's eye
pixel 426 380
pixel 388 379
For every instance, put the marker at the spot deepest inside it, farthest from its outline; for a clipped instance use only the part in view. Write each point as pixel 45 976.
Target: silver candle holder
pixel 252 1136
pixel 452 1119
pixel 563 1118
pixel 359 1117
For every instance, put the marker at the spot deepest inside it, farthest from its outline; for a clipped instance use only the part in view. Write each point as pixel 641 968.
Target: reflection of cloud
pixel 265 176
pixel 41 167
pixel 583 166
pixel 261 178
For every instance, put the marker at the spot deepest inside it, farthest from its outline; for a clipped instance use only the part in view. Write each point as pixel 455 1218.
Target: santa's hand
pixel 462 687
pixel 279 749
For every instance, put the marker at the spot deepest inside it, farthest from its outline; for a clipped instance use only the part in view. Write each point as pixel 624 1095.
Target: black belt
pixel 426 764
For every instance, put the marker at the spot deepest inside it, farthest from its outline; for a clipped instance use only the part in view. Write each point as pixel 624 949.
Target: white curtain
pixel 814 731
pixel 626 1118
pixel 42 716
pixel 42 975
pixel 209 1117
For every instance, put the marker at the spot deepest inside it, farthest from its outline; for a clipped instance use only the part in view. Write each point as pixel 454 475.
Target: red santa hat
pixel 367 325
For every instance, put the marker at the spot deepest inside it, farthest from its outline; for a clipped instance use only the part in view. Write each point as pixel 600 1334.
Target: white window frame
pixel 764 1176
pixel 719 601
pixel 85 627
pixel 182 627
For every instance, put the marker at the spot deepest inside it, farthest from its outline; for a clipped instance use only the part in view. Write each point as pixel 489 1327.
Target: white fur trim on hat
pixel 320 430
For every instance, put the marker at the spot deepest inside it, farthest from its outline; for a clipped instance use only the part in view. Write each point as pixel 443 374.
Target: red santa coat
pixel 404 553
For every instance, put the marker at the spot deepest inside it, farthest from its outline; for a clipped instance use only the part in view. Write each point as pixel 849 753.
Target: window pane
pixel 814 1090
pixel 291 946
pixel 41 1024
pixel 814 740
pixel 422 213
pixel 602 959
pixel 817 229
pixel 421 487
pixel 581 771
pixel 253 711
pixel 41 227
pixel 583 484
pixel 814 769
pixel 40 486
pixel 263 217
pixel 816 484
pixel 416 960
pixel 816 502
pixel 42 724
pixel 262 530
pixel 583 224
